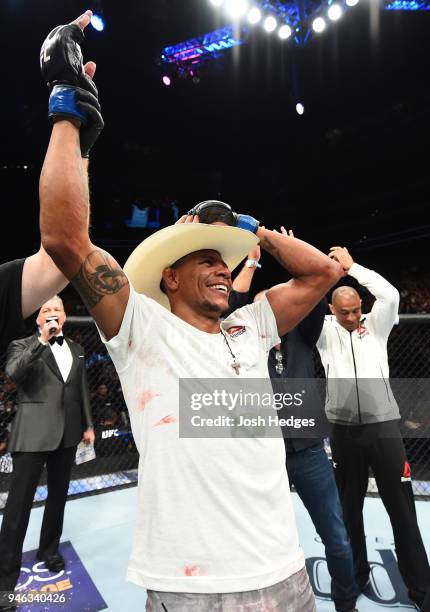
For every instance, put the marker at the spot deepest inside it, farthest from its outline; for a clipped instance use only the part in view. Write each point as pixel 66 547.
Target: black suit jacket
pixel 48 408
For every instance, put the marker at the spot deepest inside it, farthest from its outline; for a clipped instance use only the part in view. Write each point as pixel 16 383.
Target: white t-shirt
pixel 215 515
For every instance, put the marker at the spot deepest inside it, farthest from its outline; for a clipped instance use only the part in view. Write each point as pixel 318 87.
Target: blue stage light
pixel 97 22
pixel 198 49
pixel 408 5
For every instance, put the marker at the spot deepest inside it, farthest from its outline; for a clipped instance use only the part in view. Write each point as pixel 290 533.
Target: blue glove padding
pixel 63 103
pixel 77 103
pixel 247 222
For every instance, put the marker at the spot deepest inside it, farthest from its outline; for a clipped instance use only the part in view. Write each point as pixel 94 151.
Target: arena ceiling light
pixel 270 24
pixel 298 20
pixel 254 15
pixel 285 32
pixel 318 25
pixel 335 12
pixel 300 109
pixel 236 8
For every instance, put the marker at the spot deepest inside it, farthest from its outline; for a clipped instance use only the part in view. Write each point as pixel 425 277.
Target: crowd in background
pixel 415 293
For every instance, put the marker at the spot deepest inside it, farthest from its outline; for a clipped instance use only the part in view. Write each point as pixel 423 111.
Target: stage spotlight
pixel 254 15
pixel 166 80
pixel 352 2
pixel 270 24
pixel 217 2
pixel 284 32
pixel 97 22
pixel 236 8
pixel 335 12
pixel 300 109
pixel 318 25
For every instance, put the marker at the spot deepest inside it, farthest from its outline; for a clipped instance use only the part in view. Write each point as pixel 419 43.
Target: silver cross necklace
pixel 235 365
pixel 279 362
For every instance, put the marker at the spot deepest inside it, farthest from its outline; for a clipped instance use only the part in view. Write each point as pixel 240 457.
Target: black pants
pixel 380 447
pixel 426 603
pixel 27 469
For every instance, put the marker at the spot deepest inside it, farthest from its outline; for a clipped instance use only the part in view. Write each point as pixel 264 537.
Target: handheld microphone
pixel 52 329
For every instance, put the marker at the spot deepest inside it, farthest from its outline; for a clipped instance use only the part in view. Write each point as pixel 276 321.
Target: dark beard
pixel 212 308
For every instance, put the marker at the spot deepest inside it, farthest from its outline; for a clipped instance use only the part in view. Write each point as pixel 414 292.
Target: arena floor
pixel 99 529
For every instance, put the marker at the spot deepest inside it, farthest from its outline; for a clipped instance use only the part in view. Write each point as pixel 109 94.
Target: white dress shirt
pixel 63 357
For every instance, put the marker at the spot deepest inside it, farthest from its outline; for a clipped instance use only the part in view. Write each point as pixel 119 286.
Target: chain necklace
pixel 235 365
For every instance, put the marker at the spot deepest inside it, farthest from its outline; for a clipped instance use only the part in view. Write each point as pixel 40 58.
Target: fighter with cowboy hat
pixel 215 526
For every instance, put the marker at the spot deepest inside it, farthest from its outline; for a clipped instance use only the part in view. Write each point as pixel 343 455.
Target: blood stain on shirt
pixel 194 570
pixel 145 398
pixel 152 360
pixel 166 420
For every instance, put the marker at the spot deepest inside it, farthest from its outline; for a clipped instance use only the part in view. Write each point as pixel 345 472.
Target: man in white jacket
pixel 365 417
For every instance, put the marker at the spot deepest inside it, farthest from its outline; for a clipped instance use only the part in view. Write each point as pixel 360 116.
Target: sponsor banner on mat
pixel 70 590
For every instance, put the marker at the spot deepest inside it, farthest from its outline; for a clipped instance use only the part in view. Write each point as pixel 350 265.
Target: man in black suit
pixel 53 416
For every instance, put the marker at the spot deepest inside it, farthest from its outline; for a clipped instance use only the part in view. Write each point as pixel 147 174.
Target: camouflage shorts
pixel 290 595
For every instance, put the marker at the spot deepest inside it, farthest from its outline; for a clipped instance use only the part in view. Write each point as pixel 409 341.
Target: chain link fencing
pixel 409 358
pixel 117 458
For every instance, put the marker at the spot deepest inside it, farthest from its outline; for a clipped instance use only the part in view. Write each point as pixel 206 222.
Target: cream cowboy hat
pixel 145 265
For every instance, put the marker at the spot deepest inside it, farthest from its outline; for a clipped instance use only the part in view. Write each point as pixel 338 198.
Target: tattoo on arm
pixel 99 275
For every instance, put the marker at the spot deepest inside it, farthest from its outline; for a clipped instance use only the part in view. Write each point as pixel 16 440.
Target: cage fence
pixel 117 458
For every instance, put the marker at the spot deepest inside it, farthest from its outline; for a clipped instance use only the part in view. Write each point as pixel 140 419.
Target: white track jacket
pixel 356 363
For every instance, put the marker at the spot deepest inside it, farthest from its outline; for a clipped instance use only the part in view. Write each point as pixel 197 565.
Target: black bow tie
pixel 54 339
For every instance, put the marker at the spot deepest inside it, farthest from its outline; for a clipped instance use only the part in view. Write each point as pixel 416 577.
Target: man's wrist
pixel 354 268
pixel 260 231
pixel 42 341
pixel 67 123
pixel 252 263
pixel 267 239
pixel 71 120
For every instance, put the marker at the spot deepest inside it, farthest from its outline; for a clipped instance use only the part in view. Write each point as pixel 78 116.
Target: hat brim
pixel 145 265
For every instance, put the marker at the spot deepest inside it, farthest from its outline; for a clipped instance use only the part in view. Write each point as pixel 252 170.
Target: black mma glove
pixel 214 210
pixel 73 94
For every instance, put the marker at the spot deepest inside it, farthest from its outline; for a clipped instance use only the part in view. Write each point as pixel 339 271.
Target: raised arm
pixel 64 213
pixel 41 279
pixel 313 275
pixel 63 189
pixel 386 307
pixel 242 282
